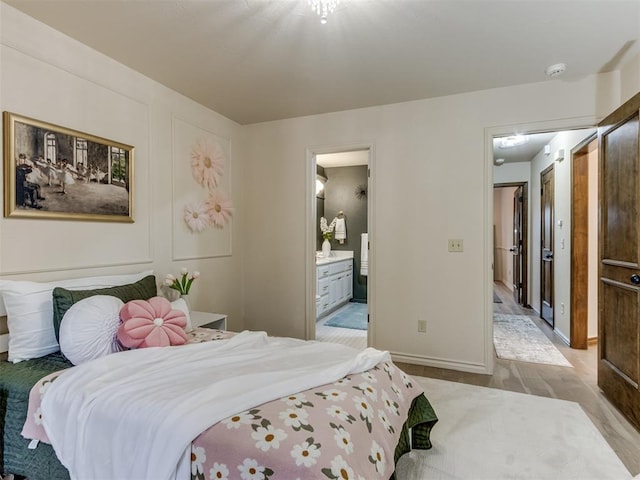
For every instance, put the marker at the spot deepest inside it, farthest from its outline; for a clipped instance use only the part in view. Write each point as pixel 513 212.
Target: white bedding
pixel 133 415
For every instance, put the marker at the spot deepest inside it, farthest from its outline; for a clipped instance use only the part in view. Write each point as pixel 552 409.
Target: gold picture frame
pixel 53 172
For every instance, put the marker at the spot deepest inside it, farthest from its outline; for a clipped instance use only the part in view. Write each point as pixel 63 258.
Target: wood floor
pixel 578 384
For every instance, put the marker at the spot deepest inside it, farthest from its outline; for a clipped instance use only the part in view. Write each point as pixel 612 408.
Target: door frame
pixel 578 309
pixel 525 237
pixel 500 131
pixel 310 236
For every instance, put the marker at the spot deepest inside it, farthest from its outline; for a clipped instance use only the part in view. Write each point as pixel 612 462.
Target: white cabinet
pixel 334 286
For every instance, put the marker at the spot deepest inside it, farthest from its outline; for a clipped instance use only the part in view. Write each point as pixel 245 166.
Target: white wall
pixel 48 76
pixel 593 255
pixel 512 172
pixel 630 79
pixel 431 181
pixel 565 140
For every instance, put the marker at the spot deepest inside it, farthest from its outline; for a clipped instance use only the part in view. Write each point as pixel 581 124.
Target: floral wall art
pixel 202 206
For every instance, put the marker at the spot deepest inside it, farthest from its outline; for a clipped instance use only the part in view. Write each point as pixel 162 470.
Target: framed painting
pixel 55 172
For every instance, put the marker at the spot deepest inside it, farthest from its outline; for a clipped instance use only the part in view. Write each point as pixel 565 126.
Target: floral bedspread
pixel 345 430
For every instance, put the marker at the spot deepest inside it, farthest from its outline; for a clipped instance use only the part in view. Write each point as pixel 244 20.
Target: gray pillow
pixel 63 299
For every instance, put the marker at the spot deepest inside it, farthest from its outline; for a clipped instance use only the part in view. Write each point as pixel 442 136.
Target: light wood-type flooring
pixel 578 384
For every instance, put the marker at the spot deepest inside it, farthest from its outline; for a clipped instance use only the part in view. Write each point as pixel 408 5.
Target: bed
pixel 320 431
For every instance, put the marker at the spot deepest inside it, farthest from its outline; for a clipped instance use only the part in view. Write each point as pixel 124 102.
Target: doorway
pixel 511 234
pixel 545 273
pixel 584 244
pixel 342 247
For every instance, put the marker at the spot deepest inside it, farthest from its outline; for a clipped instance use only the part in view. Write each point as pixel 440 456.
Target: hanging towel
pixel 364 254
pixel 341 230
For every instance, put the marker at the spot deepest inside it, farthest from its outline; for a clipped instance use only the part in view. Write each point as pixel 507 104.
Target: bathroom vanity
pixel 334 281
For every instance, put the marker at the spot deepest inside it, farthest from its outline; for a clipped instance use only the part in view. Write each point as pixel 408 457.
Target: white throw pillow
pixel 181 305
pixel 29 310
pixel 88 329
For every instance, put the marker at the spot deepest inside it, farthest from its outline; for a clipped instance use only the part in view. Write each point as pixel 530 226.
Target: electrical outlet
pixel 456 245
pixel 422 326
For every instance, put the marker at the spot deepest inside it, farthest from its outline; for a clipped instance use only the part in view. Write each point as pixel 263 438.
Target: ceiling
pixel 525 152
pixel 343 159
pixel 260 60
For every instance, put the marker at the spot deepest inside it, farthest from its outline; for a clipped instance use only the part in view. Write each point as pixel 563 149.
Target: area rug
pixel 516 337
pixel 488 434
pixel 354 315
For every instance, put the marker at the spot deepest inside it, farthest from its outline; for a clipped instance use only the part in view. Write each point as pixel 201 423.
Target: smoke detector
pixel 555 70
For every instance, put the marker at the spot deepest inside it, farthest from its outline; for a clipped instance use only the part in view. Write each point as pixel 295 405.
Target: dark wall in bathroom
pixel 319 213
pixel 340 194
pixel 319 210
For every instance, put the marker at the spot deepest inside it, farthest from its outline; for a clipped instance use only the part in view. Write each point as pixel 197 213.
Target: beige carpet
pixel 488 434
pixel 516 337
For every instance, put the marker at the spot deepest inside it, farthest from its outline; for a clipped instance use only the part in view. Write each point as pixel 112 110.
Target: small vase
pixel 185 297
pixel 326 248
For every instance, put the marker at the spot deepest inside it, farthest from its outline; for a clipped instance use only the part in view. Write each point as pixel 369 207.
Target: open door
pixel 619 286
pixel 518 245
pixel 583 232
pixel 546 244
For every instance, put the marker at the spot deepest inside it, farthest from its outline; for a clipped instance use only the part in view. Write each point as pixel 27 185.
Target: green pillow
pixel 63 299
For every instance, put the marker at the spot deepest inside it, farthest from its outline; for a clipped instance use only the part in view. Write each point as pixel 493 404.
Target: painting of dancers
pixel 57 173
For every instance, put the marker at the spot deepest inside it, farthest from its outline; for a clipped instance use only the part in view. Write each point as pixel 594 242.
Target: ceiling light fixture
pixel 513 141
pixel 498 161
pixel 323 8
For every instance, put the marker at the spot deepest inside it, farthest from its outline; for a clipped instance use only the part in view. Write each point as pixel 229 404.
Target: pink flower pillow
pixel 151 323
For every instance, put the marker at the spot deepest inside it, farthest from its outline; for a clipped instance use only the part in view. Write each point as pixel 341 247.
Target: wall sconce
pixel 559 156
pixel 320 181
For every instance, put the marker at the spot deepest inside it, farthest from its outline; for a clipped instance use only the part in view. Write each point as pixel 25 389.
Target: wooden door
pixel 619 287
pixel 546 244
pixel 580 208
pixel 517 246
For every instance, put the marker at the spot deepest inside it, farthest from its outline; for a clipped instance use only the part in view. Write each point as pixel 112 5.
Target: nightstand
pixel 215 321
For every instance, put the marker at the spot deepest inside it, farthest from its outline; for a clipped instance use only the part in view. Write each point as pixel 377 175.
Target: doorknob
pixel 635 279
pixel 513 249
pixel 549 256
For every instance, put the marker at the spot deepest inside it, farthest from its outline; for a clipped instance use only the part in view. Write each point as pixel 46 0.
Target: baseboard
pixel 440 363
pixel 592 341
pixel 563 337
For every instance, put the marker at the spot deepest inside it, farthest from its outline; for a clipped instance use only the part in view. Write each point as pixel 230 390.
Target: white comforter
pixel 133 415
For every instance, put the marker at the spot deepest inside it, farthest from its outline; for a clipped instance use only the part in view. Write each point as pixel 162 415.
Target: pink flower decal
pixel 151 323
pixel 207 162
pixel 196 217
pixel 219 208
